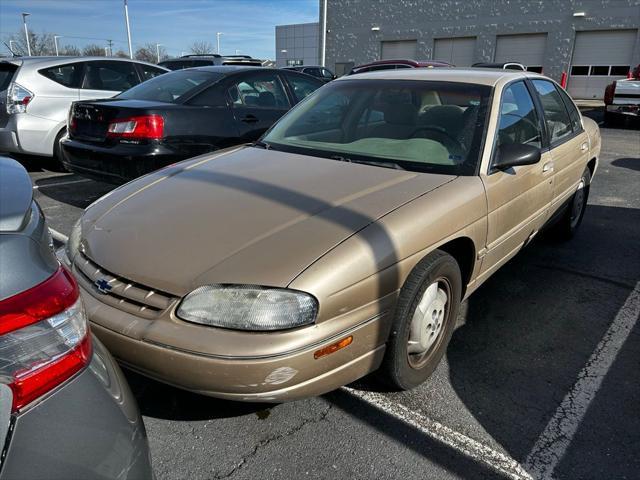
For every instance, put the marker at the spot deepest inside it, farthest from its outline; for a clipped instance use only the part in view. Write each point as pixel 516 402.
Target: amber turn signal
pixel 334 347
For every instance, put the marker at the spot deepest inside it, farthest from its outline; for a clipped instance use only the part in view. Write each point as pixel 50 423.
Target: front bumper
pixel 115 164
pixel 90 428
pixel 626 109
pixel 283 376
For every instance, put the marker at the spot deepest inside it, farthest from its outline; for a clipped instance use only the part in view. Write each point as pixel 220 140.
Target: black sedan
pixel 177 116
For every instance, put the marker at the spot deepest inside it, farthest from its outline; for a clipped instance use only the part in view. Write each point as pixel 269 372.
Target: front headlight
pixel 73 243
pixel 248 307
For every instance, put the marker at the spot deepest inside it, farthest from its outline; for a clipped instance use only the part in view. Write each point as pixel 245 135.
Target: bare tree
pixel 70 50
pixel 148 53
pixel 41 44
pixel 121 54
pixel 93 50
pixel 201 47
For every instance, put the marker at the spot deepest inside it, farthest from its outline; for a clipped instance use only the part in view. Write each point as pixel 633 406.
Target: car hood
pixel 249 216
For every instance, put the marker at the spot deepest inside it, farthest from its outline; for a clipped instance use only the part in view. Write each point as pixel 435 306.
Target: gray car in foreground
pixel 66 411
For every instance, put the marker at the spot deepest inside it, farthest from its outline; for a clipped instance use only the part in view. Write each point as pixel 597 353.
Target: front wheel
pixel 424 320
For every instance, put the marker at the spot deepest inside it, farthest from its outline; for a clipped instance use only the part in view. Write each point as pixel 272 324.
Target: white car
pixel 36 93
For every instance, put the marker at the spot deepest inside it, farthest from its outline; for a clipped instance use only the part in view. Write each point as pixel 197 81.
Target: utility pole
pixel 110 42
pixel 126 18
pixel 323 35
pixel 26 32
pixel 218 42
pixel 158 45
pixel 55 42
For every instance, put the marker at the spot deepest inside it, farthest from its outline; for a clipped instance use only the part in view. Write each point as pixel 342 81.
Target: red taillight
pixel 139 127
pixel 44 338
pixel 609 93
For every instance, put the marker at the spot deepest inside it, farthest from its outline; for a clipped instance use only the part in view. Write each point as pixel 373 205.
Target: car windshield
pixel 427 126
pixel 169 87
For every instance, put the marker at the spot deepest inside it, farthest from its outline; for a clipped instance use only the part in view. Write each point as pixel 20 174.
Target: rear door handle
pixel 547 167
pixel 249 119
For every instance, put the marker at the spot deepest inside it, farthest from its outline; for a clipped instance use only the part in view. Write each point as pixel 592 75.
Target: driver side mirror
pixel 516 154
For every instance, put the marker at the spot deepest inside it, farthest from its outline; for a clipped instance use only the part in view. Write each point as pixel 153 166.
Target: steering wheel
pixel 457 145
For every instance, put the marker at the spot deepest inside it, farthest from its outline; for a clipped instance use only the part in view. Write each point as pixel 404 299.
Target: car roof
pixel 229 69
pixel 55 60
pixel 480 76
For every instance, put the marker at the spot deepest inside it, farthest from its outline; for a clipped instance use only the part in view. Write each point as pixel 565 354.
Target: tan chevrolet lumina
pixel 341 243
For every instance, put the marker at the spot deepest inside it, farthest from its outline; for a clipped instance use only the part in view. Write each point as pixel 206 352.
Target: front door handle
pixel 249 119
pixel 584 147
pixel 547 167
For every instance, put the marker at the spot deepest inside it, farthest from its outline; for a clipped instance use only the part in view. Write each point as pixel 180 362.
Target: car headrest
pixel 400 114
pixel 448 117
pixel 267 99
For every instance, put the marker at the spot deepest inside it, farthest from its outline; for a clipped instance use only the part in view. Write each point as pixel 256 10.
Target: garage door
pixel 459 51
pixel 399 49
pixel 599 57
pixel 526 49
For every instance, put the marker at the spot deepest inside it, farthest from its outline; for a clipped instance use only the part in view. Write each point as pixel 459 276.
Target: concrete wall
pixel 300 42
pixel 350 38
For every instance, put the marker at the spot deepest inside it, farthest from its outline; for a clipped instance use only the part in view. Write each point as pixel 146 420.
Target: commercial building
pixel 297 44
pixel 593 41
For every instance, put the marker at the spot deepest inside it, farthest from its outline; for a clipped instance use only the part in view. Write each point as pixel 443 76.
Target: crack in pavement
pixel 273 438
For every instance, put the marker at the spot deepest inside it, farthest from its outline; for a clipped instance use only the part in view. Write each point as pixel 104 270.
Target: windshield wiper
pixel 261 144
pixel 384 164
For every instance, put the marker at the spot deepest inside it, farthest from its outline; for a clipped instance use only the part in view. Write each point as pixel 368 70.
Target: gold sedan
pixel 341 243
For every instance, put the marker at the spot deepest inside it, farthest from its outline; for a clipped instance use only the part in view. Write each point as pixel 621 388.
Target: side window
pixel 259 91
pixel 148 72
pixel 66 75
pixel 574 115
pixel 302 86
pixel 211 97
pixel 313 71
pixel 106 75
pixel 518 119
pixel 555 113
pixel 327 74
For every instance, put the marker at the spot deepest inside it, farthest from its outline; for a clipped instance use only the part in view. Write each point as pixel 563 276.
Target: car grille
pixel 124 294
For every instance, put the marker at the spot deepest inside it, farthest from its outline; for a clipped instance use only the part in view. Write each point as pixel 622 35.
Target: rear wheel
pixel 424 320
pixel 568 224
pixel 56 162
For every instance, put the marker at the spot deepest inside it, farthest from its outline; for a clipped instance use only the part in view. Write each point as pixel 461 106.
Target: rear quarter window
pixel 68 75
pixel 7 71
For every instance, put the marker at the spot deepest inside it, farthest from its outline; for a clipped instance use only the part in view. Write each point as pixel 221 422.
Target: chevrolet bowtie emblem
pixel 102 285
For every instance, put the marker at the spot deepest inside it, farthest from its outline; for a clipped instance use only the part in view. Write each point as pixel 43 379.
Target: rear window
pixel 7 71
pixel 67 75
pixel 170 87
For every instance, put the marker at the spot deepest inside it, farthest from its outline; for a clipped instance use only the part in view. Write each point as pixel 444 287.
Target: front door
pixel 518 198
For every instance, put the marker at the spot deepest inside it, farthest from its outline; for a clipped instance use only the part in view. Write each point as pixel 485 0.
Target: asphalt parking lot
pixel 540 379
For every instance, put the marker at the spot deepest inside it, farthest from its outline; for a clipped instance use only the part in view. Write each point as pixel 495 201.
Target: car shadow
pixel 72 189
pixel 630 163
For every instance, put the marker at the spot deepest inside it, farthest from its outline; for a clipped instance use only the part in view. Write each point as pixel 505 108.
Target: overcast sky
pixel 248 25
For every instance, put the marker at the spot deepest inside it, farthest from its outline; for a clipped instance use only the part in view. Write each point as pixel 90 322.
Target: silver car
pixel 36 93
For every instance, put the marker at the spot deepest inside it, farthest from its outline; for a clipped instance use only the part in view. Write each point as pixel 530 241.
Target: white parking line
pixel 58 236
pixel 459 442
pixel 552 444
pixel 82 180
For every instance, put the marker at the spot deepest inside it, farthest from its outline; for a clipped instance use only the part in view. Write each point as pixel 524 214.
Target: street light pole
pixel 26 32
pixel 11 42
pixel 126 18
pixel 55 42
pixel 218 42
pixel 323 37
pixel 158 45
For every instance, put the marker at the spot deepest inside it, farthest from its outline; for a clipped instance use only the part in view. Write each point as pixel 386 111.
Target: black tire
pixel 56 164
pixel 397 369
pixel 571 219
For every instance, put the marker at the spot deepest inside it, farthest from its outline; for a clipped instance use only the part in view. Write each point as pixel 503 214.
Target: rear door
pixel 518 198
pixel 257 100
pixel 568 141
pixel 106 78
